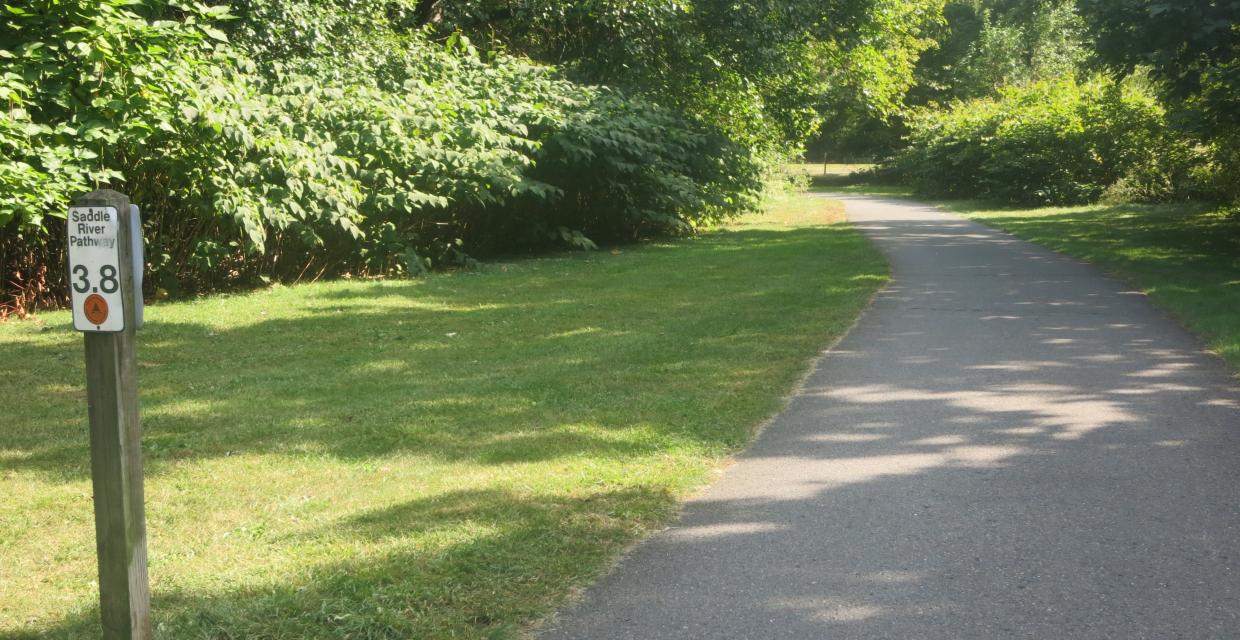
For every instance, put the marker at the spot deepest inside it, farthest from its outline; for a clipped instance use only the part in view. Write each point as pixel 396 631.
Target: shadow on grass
pixel 670 352
pixel 494 368
pixel 837 179
pixel 530 548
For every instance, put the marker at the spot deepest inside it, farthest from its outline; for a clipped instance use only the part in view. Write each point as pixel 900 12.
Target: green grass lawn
pixel 439 458
pixel 1186 257
pixel 865 189
pixel 821 169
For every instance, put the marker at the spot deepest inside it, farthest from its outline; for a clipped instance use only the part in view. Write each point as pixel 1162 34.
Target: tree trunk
pixel 430 12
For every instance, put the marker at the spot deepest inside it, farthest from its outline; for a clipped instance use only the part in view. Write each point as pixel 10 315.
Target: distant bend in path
pixel 1008 445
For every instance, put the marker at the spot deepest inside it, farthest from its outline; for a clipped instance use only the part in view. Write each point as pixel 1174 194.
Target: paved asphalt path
pixel 1008 445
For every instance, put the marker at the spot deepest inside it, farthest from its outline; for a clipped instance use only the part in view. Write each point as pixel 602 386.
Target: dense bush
pixel 313 138
pixel 1049 142
pixel 1192 52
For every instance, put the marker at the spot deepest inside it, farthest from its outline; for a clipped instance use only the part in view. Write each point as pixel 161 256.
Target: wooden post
pixel 116 437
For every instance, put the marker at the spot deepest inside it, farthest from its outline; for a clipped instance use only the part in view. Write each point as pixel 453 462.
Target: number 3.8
pixel 107 283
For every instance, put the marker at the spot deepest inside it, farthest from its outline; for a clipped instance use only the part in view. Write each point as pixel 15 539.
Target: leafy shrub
pixel 1050 142
pixel 1178 169
pixel 310 139
pixel 84 86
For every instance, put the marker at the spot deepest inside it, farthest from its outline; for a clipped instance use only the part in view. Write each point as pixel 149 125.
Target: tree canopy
pixel 765 71
pixel 1192 49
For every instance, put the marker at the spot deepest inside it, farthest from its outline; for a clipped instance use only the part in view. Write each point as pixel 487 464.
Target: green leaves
pixel 215 34
pixel 302 138
pixel 1046 143
pixel 1192 52
pixel 755 71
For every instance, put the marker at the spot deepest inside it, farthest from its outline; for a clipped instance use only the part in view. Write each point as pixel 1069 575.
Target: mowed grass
pixel 1185 256
pixel 823 169
pixel 440 458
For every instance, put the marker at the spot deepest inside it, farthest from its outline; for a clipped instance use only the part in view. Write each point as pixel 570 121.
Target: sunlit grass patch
pixel 865 189
pixel 825 168
pixel 437 458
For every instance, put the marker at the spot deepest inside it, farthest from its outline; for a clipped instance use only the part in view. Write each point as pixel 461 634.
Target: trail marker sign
pixel 95 269
pixel 105 270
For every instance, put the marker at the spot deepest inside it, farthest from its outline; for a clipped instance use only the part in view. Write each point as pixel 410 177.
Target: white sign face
pixel 94 269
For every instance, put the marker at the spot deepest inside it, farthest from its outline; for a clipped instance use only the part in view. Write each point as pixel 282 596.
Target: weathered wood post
pixel 107 308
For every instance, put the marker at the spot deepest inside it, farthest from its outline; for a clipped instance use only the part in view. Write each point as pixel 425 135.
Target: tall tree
pixel 979 47
pixel 759 70
pixel 1191 46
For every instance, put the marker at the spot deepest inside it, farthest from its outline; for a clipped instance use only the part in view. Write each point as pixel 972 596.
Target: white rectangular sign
pixel 94 269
